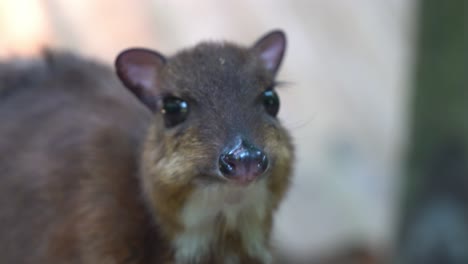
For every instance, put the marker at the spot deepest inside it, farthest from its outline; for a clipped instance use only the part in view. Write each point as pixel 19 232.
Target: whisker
pixel 283 84
pixel 300 124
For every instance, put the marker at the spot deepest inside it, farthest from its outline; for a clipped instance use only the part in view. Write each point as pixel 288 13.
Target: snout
pixel 243 163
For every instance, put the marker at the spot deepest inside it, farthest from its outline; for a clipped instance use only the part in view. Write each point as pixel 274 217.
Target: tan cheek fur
pixel 278 141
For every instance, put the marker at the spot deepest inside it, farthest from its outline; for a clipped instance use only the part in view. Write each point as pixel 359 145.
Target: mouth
pixel 215 177
pixel 220 191
pixel 243 180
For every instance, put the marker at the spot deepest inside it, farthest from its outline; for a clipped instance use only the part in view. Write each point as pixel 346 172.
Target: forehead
pixel 214 69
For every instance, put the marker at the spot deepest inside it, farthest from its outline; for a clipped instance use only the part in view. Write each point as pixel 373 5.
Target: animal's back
pixel 69 143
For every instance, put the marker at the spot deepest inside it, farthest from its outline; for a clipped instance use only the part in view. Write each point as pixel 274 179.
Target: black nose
pixel 244 163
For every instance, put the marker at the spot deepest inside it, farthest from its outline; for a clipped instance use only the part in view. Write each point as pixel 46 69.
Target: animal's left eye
pixel 271 102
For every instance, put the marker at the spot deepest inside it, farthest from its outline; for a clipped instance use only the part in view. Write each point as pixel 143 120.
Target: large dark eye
pixel 175 111
pixel 271 102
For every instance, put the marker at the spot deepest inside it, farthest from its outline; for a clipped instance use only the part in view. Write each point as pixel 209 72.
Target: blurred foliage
pixel 434 228
pixel 441 95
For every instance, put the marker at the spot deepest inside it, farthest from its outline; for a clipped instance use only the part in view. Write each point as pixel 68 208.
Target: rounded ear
pixel 140 71
pixel 270 49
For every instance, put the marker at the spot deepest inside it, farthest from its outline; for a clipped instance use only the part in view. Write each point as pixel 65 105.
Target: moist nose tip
pixel 243 162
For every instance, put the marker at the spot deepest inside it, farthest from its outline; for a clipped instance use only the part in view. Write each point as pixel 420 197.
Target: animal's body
pixel 186 163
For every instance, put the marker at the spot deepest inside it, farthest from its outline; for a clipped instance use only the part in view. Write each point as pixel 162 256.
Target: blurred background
pixel 349 66
pixel 347 62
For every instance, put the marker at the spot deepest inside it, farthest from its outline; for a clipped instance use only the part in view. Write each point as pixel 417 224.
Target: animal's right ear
pixel 270 49
pixel 140 71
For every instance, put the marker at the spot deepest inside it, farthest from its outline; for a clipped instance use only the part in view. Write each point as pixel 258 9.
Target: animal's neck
pixel 225 224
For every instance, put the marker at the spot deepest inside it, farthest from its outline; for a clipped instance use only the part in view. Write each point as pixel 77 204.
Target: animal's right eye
pixel 174 110
pixel 271 102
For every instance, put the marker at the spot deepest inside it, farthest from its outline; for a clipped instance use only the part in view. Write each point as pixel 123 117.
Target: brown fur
pixel 89 175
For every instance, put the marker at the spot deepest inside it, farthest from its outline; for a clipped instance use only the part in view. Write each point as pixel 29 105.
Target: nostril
pixel 226 164
pixel 262 163
pixel 260 160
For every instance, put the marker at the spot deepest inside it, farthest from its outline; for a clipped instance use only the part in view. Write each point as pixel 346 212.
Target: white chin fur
pixel 243 208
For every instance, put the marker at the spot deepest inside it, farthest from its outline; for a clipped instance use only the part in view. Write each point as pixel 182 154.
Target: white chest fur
pixel 242 209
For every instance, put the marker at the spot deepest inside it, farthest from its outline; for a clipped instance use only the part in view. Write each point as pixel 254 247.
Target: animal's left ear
pixel 270 49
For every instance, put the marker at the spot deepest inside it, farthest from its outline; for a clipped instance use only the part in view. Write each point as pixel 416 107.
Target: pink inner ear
pixel 270 49
pixel 141 75
pixel 271 56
